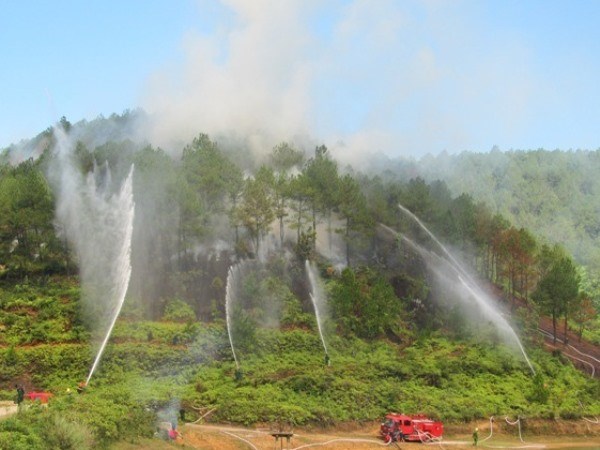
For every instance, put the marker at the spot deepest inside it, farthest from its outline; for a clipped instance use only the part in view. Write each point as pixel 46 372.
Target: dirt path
pixel 7 409
pixel 225 437
pixel 583 354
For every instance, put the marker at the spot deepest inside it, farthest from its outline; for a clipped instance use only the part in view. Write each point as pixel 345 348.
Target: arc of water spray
pixel 467 281
pixel 123 264
pixel 315 297
pixel 453 260
pixel 508 327
pixel 228 293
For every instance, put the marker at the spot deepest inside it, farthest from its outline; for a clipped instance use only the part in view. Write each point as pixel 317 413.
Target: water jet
pixel 120 216
pixel 437 264
pixel 317 298
pixel 232 275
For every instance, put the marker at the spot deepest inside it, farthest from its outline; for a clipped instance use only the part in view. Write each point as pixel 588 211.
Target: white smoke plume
pixel 252 81
pixel 362 77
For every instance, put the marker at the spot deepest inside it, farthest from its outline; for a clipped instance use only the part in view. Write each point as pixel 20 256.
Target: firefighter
pixel 20 395
pixel 475 436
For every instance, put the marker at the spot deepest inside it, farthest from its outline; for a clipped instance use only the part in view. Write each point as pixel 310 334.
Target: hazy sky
pixel 400 76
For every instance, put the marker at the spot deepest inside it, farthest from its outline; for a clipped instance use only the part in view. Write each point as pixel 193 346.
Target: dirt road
pixel 7 408
pixel 236 438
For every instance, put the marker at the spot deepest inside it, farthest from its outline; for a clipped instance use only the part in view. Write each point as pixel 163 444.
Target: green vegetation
pixel 554 193
pixel 396 340
pixel 152 369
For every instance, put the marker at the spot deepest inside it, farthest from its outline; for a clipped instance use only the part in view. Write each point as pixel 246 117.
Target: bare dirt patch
pixel 7 409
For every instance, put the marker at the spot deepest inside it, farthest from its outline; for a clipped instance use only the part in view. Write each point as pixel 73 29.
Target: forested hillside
pixel 556 193
pixel 399 317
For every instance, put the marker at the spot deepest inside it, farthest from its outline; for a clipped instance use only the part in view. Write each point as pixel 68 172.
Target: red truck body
pixel 43 397
pixel 416 428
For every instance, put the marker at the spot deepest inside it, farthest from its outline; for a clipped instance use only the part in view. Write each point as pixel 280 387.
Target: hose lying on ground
pixel 517 422
pixel 491 429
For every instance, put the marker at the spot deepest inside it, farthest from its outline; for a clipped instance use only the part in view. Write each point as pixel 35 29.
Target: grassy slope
pixel 285 377
pixel 157 368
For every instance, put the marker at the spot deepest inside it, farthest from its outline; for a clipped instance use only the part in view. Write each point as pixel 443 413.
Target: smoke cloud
pixel 361 77
pixel 252 79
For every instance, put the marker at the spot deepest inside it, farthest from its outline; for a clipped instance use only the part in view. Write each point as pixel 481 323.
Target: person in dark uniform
pixel 20 395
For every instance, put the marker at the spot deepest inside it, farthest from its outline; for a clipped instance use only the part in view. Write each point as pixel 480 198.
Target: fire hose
pixel 518 423
pixel 491 429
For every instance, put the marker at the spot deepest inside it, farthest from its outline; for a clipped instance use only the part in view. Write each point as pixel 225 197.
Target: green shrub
pixel 179 311
pixel 16 434
pixel 60 433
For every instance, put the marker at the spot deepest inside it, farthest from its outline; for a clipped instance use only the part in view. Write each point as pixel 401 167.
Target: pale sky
pixel 406 77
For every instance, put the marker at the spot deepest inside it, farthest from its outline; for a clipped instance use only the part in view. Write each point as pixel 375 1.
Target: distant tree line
pixel 553 192
pixel 205 196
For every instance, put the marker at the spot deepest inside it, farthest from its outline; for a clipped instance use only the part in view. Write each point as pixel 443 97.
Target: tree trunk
pixel 347 242
pixel 299 224
pixel 179 242
pixel 329 231
pixel 314 223
pixel 554 326
pixel 66 253
pixel 236 227
pixel 513 288
pixel 281 215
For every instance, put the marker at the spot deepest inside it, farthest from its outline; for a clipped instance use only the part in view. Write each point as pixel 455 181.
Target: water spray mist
pixel 232 275
pixel 466 281
pixel 317 297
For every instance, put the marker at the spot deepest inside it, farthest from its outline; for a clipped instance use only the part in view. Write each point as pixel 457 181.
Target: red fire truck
pixel 416 428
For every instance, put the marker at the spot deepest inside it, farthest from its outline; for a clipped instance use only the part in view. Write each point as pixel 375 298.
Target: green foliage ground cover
pixel 593 334
pixel 285 378
pixel 44 313
pixel 152 369
pixel 450 380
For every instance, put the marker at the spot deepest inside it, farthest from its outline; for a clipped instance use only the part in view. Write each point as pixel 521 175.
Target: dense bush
pixel 179 311
pixel 365 304
pixel 453 381
pixel 79 422
pixel 33 314
pixel 17 434
pixel 41 428
pixel 287 379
